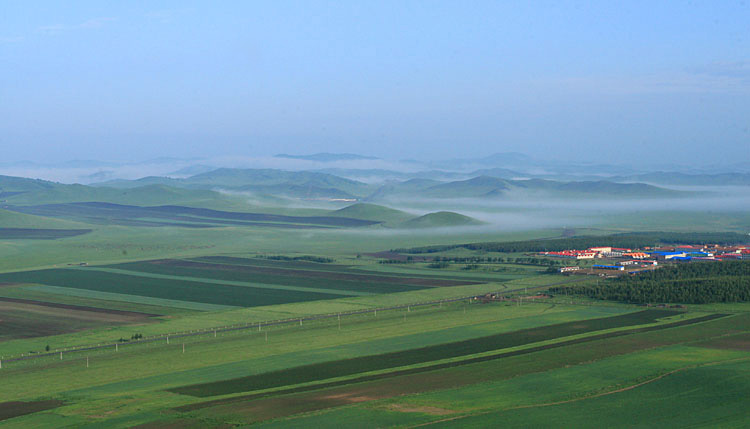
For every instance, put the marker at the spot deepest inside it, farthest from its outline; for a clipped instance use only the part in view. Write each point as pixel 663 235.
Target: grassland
pixel 92 394
pixel 204 280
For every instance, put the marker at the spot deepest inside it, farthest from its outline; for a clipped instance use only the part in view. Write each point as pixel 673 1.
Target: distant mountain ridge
pixel 327 157
pixel 280 184
pixel 685 179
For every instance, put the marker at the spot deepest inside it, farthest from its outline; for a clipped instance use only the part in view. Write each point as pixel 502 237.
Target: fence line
pixel 258 324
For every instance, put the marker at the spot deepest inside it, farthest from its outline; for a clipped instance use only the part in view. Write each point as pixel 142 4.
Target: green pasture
pixel 117 380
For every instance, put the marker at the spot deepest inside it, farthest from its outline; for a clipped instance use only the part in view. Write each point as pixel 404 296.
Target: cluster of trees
pixel 695 283
pixel 475 260
pixel 489 260
pixel 318 259
pixel 135 336
pixel 634 240
pixel 408 260
pixel 439 265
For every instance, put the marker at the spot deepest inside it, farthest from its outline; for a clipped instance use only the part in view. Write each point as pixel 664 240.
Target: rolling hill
pixel 11 219
pixel 295 184
pixel 477 187
pixel 493 187
pixel 684 179
pixel 441 219
pixel 373 212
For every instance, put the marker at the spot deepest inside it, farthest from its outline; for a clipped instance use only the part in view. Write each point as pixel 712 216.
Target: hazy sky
pixel 585 80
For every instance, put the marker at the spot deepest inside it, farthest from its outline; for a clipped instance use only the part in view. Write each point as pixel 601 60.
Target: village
pixel 617 261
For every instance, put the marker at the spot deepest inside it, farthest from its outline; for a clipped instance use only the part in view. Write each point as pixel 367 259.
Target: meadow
pixel 159 325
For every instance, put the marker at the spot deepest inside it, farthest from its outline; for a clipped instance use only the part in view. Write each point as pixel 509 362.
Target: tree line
pixel 694 283
pixel 635 240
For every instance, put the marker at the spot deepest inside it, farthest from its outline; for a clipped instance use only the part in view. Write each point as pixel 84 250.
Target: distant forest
pixel 628 240
pixel 694 283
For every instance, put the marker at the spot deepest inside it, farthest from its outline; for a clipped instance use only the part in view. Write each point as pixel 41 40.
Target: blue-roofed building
pixel 608 267
pixel 668 255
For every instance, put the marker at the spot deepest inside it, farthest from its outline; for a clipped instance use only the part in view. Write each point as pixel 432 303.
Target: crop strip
pixel 9 410
pixel 440 366
pixel 345 367
pixel 77 307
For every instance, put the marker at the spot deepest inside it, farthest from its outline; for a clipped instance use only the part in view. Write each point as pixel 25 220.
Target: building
pixel 608 267
pixel 687 248
pixel 663 256
pixel 636 255
pixel 571 254
pixel 569 269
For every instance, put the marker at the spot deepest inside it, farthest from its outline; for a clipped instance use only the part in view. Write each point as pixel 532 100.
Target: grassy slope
pixel 9 219
pixel 373 212
pixel 440 219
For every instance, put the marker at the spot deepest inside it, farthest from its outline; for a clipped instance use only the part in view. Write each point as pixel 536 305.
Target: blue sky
pixel 619 81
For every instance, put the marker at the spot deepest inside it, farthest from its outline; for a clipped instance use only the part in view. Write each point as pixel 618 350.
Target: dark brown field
pixel 9 410
pixel 328 275
pixel 21 318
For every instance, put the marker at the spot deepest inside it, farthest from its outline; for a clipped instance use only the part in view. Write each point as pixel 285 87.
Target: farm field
pixel 552 344
pixel 22 318
pixel 244 284
pixel 198 329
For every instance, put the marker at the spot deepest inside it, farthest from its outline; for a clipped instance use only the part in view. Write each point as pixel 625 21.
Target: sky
pixel 622 82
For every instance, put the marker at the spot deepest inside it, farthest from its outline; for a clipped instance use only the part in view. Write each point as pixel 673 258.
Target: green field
pixel 262 316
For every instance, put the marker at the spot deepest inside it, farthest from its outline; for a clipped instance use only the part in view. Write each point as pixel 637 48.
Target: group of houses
pixel 649 257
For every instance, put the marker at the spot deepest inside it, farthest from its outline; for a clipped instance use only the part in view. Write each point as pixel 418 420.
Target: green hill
pixel 441 219
pixel 683 179
pixel 476 187
pixel 22 191
pixel 144 195
pixel 13 185
pixel 374 212
pixel 485 186
pixel 9 219
pixel 297 184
